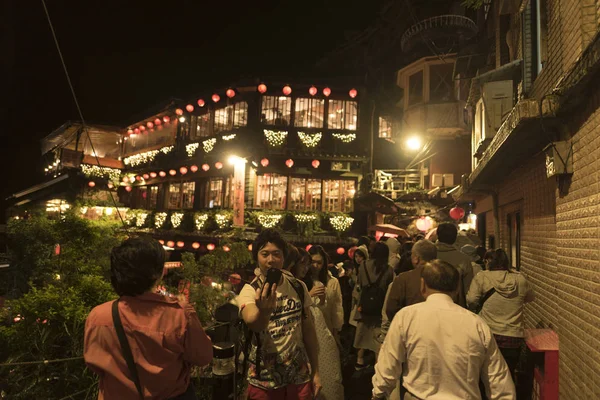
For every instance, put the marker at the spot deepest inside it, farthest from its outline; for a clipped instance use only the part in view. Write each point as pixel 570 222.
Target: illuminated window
pixel 187 193
pixel 271 191
pixel 240 114
pixel 222 119
pixel 276 110
pixel 142 197
pixel 339 195
pixel 153 201
pixel 309 113
pixel 200 126
pixel 305 194
pixel 385 128
pixel 415 88
pixel 342 115
pixel 174 196
pixel 214 193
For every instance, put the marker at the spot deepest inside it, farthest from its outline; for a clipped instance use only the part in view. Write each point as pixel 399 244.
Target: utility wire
pixel 40 362
pixel 85 127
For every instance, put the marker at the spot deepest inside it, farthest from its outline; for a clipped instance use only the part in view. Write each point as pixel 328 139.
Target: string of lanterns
pixel 151 125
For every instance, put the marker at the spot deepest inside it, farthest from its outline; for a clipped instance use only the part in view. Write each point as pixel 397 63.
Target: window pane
pixel 276 110
pixel 240 114
pixel 385 128
pixel 214 193
pixel 298 194
pixel 142 197
pixel 187 191
pixel 415 88
pixel 441 84
pixel 339 195
pixel 342 114
pixel 153 197
pixel 271 191
pixel 222 119
pixel 200 126
pixel 174 195
pixel 309 113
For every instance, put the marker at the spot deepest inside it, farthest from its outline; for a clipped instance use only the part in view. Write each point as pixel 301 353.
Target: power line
pixel 45 362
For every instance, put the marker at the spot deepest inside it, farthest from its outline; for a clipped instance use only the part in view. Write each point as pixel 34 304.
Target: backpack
pixel 372 296
pixel 251 336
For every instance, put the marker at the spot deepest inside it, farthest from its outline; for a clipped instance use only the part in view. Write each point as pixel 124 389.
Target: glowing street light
pixel 234 160
pixel 413 143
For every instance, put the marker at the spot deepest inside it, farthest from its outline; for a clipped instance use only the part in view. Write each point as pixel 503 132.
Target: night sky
pixel 126 56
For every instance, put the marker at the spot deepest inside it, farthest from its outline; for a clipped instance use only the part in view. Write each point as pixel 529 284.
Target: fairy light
pixel 229 137
pixel 159 220
pixel 145 157
pixel 90 171
pixel 341 222
pixel 304 218
pixel 344 137
pixel 269 220
pixel 310 139
pixel 222 220
pixel 200 221
pixel 275 138
pixel 141 219
pixel 176 219
pixel 209 144
pixel 191 148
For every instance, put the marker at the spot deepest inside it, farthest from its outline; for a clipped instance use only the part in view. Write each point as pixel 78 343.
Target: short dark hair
pixel 498 260
pixel 292 257
pixel 324 273
pixel 447 233
pixel 136 265
pixel 363 240
pixel 269 235
pixel 381 255
pixel 441 276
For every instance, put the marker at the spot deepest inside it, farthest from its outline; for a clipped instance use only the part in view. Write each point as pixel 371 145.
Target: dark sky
pixel 125 56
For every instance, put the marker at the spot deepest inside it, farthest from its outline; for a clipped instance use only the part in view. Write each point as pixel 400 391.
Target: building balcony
pixel 435 119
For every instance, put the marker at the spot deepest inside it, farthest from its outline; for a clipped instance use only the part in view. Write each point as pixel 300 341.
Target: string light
pixel 341 222
pixel 275 138
pixel 159 220
pixel 269 220
pixel 209 144
pixel 310 139
pixel 344 137
pixel 191 148
pixel 229 137
pixel 89 171
pixel 222 220
pixel 200 221
pixel 304 218
pixel 145 157
pixel 176 219
pixel 140 219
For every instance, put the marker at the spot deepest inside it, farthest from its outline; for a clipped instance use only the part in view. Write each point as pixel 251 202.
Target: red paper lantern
pixel 262 88
pixel 142 128
pixel 130 131
pixel 146 176
pixel 457 213
pixel 172 172
pixel 161 242
pixel 308 247
pixel 138 178
pixel 287 90
pixel 128 188
pixel 91 183
pixel 170 243
pixel 189 108
pixel 250 247
pixel 289 162
pixel 205 167
pixel 424 224
pixel 230 93
pixel 179 111
pixel 136 131
pixel 340 250
pixel 180 244
pixel 353 93
pixel 312 91
pixel 152 174
pixel 200 103
pixel 110 185
pixel 195 245
pixel 166 119
pixel 157 121
pixel 351 251
pixel 216 98
pixel 218 165
pixel 183 170
pixel 264 162
pixel 210 247
pixel 162 174
pixel 150 125
pixel 226 248
pixel 316 163
pixel 326 92
pixel 194 168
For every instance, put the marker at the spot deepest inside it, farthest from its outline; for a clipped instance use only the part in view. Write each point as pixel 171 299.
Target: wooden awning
pixel 375 202
pixel 389 228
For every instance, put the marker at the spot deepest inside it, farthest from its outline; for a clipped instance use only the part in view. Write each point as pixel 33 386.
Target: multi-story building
pixel 253 154
pixel 536 156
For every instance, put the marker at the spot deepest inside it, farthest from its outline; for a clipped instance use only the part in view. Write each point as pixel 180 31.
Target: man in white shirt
pixel 445 349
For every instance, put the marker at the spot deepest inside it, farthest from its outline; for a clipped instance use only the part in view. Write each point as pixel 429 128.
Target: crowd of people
pixel 441 321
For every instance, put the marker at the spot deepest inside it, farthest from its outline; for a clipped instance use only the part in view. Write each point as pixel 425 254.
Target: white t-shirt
pixel 283 357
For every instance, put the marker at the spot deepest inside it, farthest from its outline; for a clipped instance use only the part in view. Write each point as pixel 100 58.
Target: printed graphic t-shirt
pixel 283 358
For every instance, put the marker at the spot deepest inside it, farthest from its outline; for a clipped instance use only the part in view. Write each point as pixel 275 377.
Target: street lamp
pixel 413 143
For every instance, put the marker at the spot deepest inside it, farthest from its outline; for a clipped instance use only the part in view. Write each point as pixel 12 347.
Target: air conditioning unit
pixel 341 166
pixel 497 104
pixel 448 180
pixel 437 180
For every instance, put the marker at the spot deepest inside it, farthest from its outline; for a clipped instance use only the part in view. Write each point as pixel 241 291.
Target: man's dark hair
pixel 363 240
pixel 291 258
pixel 136 265
pixel 268 236
pixel 323 273
pixel 441 276
pixel 381 255
pixel 447 233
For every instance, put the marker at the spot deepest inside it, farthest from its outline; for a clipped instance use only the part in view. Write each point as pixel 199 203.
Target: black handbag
pixel 482 301
pixel 128 356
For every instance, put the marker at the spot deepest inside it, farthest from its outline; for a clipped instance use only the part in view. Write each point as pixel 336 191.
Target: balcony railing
pixel 440 119
pixel 395 181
